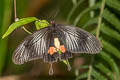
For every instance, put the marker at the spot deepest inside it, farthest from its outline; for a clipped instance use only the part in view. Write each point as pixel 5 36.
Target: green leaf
pixel 17 24
pixel 41 24
pixel 84 67
pixel 96 6
pixel 64 61
pixel 82 76
pixel 111 18
pixel 111 49
pixel 105 70
pixel 73 10
pixel 104 29
pixel 74 2
pixel 90 22
pixel 110 32
pixel 113 4
pixel 5 19
pixel 112 64
pixel 97 75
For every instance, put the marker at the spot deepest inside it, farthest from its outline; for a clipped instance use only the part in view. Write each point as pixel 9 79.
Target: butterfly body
pixel 56 45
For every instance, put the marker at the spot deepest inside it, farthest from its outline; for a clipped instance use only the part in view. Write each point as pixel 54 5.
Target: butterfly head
pixel 52 22
pixel 52 25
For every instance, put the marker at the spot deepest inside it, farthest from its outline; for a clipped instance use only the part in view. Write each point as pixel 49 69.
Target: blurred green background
pixel 86 14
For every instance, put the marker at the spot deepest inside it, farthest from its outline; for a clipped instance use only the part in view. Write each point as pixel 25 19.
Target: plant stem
pixel 91 3
pixel 16 19
pixel 15 12
pixel 100 19
pixel 26 30
pixel 97 35
pixel 90 68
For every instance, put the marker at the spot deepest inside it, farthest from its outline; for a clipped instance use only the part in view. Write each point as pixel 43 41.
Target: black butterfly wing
pixel 77 40
pixel 33 47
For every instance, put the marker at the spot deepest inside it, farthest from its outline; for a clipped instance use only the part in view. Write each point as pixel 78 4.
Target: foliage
pixel 17 24
pixel 5 18
pixel 41 24
pixel 105 64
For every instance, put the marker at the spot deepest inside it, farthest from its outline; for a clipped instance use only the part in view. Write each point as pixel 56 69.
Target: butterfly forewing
pixel 32 47
pixel 77 40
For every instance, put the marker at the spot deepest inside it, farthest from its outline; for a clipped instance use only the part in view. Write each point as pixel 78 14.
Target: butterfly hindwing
pixel 77 40
pixel 33 47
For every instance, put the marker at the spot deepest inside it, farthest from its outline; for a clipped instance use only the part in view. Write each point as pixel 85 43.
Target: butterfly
pixel 56 42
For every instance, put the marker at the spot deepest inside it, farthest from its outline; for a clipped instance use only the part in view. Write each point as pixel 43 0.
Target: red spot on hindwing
pixel 51 50
pixel 62 48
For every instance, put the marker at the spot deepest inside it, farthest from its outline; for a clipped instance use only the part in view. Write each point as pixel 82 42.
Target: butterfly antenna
pixel 54 16
pixel 56 13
